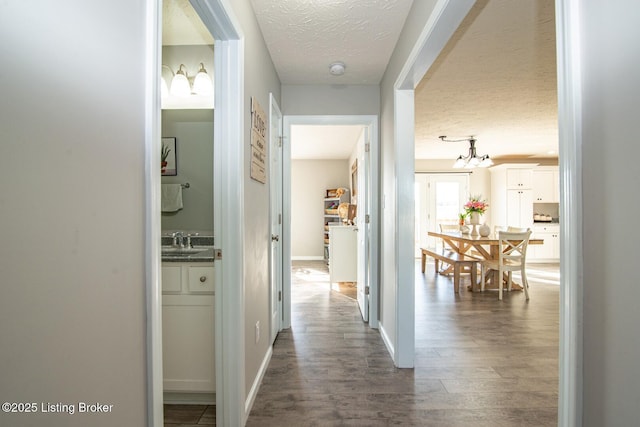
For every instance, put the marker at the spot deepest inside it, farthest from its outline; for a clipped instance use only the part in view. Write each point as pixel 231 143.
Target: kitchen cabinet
pixel 549 251
pixel 519 178
pixel 511 201
pixel 519 208
pixel 546 185
pixel 343 249
pixel 188 307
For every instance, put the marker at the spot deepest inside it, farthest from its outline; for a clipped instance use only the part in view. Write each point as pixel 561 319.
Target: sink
pixel 175 250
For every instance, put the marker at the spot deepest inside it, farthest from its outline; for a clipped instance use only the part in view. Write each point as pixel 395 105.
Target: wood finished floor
pixel 479 361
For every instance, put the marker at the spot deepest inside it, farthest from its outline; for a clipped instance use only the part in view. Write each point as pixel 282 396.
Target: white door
pixel 275 189
pixel 439 200
pixel 362 222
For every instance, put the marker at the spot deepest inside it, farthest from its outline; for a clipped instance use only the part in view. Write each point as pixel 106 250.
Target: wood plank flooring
pixel 479 361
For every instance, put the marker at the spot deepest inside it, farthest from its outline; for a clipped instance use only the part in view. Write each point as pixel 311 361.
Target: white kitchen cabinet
pixel 546 185
pixel 188 308
pixel 511 201
pixel 343 253
pixel 519 208
pixel 519 178
pixel 549 251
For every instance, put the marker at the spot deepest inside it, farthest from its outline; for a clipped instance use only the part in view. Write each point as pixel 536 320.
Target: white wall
pixel 260 79
pixel 309 181
pixel 611 89
pixel 72 267
pixel 418 16
pixel 479 179
pixel 333 100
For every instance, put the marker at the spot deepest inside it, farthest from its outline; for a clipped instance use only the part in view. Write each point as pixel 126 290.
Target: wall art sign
pixel 258 142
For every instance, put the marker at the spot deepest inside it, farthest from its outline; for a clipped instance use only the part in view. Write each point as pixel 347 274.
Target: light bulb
pixel 180 84
pixel 202 83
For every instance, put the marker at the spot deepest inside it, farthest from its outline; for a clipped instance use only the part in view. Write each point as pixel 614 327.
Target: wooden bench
pixel 458 261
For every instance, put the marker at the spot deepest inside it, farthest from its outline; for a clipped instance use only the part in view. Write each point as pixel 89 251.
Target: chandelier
pixel 471 160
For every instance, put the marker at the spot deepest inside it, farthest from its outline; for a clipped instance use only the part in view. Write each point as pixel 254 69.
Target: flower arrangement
pixel 475 204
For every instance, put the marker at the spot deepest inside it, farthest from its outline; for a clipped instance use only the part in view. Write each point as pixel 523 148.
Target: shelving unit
pixel 331 217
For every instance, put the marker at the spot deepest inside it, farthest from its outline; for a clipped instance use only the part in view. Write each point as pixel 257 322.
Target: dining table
pixel 480 247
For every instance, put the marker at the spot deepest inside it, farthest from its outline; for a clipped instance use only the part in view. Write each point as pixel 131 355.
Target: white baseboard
pixel 183 398
pixel 251 397
pixel 387 341
pixel 306 258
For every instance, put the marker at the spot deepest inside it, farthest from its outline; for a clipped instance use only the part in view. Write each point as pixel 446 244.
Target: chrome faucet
pixel 178 239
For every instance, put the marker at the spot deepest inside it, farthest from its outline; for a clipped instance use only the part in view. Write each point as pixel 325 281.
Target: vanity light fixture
pixel 180 84
pixel 202 83
pixel 337 68
pixel 471 160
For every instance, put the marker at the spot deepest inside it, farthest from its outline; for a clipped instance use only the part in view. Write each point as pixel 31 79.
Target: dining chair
pixel 517 229
pixel 512 254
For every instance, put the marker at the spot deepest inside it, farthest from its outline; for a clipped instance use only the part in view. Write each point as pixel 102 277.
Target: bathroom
pixel 188 294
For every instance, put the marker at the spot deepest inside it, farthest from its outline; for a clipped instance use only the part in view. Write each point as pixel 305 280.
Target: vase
pixel 474 218
pixel 484 230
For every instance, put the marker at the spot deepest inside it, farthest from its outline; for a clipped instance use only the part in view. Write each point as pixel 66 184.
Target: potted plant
pixel 474 208
pixel 461 217
pixel 163 157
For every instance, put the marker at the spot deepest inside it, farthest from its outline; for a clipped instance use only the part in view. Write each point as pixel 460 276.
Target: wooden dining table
pixel 483 248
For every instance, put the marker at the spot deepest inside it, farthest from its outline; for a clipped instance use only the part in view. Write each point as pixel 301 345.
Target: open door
pixel 275 189
pixel 363 221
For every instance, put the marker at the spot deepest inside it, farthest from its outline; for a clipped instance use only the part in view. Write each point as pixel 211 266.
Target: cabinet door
pixel 543 186
pixel 188 343
pixel 171 278
pixel 519 178
pixel 519 208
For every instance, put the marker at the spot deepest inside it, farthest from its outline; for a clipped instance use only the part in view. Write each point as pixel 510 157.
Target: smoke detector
pixel 337 68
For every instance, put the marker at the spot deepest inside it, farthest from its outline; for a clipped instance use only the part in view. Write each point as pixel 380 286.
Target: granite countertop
pixel 203 242
pixel 204 256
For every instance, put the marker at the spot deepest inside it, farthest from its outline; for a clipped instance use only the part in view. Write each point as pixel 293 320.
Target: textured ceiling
pixel 495 80
pixel 305 36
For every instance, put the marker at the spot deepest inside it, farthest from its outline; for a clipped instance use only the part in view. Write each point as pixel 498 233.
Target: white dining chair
pixel 516 229
pixel 511 257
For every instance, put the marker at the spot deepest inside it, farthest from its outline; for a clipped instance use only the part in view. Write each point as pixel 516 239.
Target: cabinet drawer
pixel 200 279
pixel 171 279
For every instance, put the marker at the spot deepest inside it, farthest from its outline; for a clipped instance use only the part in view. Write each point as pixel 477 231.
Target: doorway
pixel 228 158
pixel 439 197
pixel 364 180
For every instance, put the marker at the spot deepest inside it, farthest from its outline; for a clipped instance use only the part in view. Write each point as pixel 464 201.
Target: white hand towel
pixel 171 197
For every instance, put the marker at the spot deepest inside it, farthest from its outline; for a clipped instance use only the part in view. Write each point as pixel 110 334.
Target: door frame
pixel 444 20
pixel 228 191
pixel 374 180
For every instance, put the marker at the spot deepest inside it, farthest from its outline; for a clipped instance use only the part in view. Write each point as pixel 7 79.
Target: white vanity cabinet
pixel 188 304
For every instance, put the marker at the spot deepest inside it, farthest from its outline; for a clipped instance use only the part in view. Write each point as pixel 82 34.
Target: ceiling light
pixel 202 83
pixel 180 84
pixel 337 68
pixel 471 160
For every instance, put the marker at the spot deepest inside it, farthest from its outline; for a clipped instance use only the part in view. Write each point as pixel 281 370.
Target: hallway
pixel 478 361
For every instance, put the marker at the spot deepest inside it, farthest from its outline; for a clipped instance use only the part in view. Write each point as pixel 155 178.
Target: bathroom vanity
pixel 188 304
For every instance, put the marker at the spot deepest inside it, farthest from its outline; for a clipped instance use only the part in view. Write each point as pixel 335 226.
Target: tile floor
pixel 479 361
